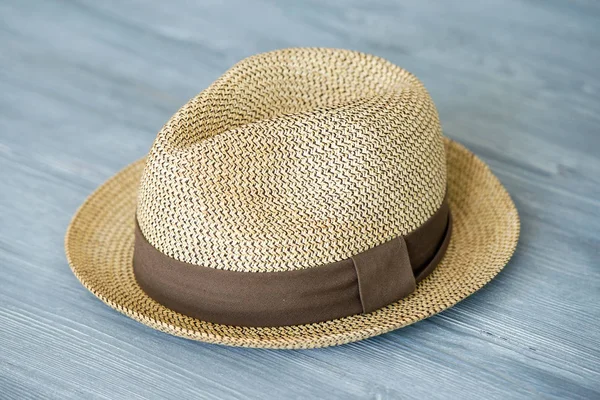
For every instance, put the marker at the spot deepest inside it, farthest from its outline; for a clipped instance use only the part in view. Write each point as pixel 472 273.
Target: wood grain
pixel 86 85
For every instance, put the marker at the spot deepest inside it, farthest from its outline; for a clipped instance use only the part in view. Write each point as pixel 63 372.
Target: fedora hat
pixel 307 198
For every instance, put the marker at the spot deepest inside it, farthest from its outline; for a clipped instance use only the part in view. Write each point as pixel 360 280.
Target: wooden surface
pixel 85 86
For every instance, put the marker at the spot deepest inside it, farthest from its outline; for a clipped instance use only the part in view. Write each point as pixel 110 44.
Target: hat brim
pixel 99 246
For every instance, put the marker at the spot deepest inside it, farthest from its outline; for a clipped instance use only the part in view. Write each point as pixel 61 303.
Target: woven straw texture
pixel 294 159
pixel 99 246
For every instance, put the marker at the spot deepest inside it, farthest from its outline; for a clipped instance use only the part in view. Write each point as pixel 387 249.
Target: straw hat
pixel 307 198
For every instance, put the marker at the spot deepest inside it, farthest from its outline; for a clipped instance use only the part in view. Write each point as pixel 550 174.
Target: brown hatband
pixel 360 284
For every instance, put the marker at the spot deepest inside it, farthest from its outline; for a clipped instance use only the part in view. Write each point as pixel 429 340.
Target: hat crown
pixel 294 159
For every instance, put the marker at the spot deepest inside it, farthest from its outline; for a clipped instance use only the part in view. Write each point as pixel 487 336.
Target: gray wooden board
pixel 85 86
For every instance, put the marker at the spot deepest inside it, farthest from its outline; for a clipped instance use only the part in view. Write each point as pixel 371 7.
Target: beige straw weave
pixel 294 159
